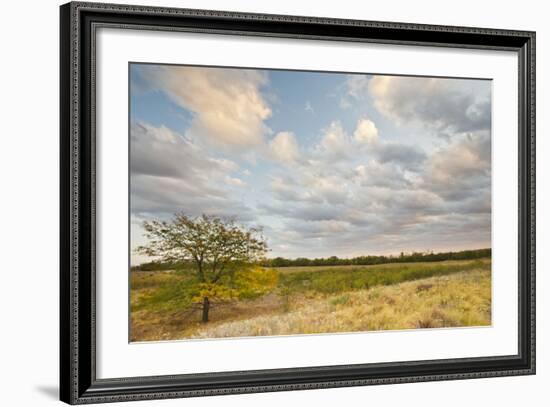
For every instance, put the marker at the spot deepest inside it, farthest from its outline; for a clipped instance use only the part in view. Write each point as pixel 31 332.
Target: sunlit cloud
pixel 227 104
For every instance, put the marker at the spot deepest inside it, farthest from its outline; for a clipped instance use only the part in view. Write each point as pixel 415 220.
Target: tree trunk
pixel 205 309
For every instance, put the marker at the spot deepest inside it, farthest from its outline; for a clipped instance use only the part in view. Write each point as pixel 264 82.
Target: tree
pixel 224 256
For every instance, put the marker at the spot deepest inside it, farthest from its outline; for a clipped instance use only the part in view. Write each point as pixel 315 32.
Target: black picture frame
pixel 78 382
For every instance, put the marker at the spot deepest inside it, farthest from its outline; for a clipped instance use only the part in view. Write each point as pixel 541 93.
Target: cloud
pixel 357 85
pixel 403 155
pixel 313 211
pixel 159 151
pixel 375 173
pixel 330 189
pixel 366 132
pixel 337 145
pixel 396 196
pixel 323 228
pixel 338 148
pixel 284 147
pixel 170 173
pixel 282 189
pixel 227 104
pixel 335 142
pixel 356 89
pixel 286 189
pixel 444 105
pixel 236 182
pixel 461 169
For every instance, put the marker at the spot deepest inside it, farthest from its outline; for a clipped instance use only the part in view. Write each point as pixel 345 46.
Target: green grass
pixel 161 301
pixel 335 279
pixel 160 291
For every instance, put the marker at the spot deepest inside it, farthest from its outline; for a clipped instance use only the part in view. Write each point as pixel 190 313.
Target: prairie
pixel 321 299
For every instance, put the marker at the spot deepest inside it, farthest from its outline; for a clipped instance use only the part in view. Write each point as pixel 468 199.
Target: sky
pixel 327 164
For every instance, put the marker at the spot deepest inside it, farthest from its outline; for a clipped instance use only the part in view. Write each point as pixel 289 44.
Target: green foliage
pixel 246 283
pixel 373 260
pixel 220 255
pixel 208 242
pixel 179 291
pixel 255 282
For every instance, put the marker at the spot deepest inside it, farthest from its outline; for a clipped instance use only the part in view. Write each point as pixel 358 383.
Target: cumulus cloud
pixel 169 173
pixel 335 142
pixel 337 147
pixel 444 105
pixel 461 169
pixel 366 132
pixel 227 104
pixel 395 192
pixel 284 147
pixel 159 151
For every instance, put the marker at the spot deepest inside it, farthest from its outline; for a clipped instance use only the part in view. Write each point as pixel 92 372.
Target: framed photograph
pixel 254 203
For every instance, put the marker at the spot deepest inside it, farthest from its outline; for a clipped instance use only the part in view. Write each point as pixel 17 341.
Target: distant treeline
pixel 160 266
pixel 336 261
pixel 368 260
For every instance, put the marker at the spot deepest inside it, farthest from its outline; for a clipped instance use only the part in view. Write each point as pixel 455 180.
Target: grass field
pixel 319 300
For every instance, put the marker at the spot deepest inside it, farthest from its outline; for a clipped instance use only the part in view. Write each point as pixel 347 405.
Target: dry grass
pixel 154 325
pixel 320 300
pixel 457 300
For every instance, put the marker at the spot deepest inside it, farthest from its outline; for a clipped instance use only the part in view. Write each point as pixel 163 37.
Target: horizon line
pixel 405 253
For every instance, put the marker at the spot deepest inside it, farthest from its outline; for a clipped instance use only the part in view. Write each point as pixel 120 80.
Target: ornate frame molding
pixel 79 21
